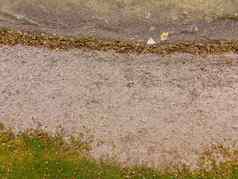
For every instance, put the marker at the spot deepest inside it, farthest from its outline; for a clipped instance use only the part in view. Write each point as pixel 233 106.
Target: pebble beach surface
pixel 138 109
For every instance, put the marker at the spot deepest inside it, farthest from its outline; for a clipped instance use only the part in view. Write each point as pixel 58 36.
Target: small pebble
pixel 151 41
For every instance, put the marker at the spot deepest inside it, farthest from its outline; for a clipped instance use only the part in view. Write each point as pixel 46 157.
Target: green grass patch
pixel 37 155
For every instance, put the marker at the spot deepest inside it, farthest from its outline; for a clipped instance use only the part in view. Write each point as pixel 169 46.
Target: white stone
pixel 151 41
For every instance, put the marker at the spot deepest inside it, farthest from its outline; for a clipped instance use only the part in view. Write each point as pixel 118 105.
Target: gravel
pixel 137 109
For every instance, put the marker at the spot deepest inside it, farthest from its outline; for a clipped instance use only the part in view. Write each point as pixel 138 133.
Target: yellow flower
pixel 164 36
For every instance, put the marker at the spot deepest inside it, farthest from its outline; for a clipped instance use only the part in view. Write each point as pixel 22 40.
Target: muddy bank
pixel 128 20
pixel 144 109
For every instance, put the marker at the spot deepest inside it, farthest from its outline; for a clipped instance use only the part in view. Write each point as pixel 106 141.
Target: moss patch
pixel 11 37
